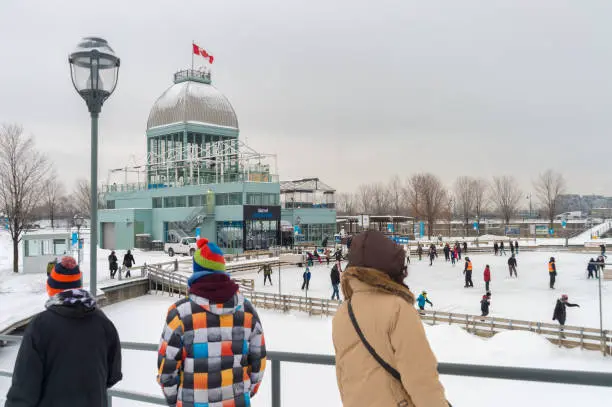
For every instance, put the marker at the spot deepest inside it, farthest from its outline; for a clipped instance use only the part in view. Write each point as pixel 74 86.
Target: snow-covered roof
pixel 308 184
pixel 192 101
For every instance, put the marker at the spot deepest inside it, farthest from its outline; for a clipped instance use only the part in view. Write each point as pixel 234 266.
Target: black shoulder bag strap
pixel 369 347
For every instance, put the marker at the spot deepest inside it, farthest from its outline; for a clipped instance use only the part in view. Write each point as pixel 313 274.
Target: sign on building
pixel 512 230
pixel 541 230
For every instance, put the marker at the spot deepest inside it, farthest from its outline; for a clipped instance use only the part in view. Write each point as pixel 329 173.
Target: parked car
pixel 187 246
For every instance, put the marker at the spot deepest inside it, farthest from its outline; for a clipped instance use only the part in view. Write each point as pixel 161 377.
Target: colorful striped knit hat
pixel 208 259
pixel 64 276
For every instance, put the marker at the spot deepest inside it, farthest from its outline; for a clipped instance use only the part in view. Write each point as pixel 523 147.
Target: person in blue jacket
pixel 306 277
pixel 422 300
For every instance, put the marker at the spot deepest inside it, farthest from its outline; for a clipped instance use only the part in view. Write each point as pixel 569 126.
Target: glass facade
pixel 313 199
pixel 110 204
pixel 315 233
pixel 157 203
pixel 192 201
pixel 260 234
pixel 230 235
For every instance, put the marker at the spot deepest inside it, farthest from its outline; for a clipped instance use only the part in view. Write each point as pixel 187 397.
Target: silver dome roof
pixel 191 101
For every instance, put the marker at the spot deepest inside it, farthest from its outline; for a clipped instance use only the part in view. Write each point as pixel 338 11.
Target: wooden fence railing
pixel 569 336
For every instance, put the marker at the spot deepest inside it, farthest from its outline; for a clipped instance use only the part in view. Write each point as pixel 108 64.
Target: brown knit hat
pixel 374 250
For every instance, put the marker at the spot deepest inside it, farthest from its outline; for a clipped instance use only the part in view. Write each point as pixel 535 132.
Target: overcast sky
pixel 350 91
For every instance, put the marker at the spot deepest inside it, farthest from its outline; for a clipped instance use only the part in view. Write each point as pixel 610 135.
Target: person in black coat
pixel 446 252
pixel 335 281
pixel 495 248
pixel 70 353
pixel 560 313
pixel 484 305
pixel 465 248
pixel 128 262
pixel 512 265
pixel 112 264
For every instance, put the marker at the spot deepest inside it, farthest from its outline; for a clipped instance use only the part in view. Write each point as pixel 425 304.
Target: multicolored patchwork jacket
pixel 211 355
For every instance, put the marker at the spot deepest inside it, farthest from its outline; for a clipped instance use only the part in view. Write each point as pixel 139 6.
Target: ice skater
pixel 420 251
pixel 560 313
pixel 112 264
pixel 516 247
pixel 432 254
pixel 552 272
pixel 454 256
pixel 511 247
pixel 512 266
pixel 335 281
pixel 267 269
pixel 502 250
pixel 422 300
pixel 484 305
pixel 306 276
pixel 603 250
pixel 468 273
pixel 600 263
pixel 591 268
pixel 465 247
pixel 487 277
pixel 447 251
pixel 495 248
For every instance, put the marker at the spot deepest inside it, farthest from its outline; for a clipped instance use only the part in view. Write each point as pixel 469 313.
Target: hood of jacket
pixel 356 279
pixel 76 303
pixel 236 303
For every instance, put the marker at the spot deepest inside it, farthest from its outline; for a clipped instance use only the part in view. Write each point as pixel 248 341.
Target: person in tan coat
pixel 383 308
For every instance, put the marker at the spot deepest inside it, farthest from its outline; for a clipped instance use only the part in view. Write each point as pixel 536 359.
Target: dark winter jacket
pixel 591 267
pixel 560 311
pixel 307 274
pixel 112 262
pixel 338 255
pixel 484 306
pixel 335 275
pixel 128 260
pixel 512 261
pixel 69 356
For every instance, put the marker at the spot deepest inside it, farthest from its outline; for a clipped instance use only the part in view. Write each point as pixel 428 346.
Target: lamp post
pixel 529 197
pixel 94 69
pixel 78 222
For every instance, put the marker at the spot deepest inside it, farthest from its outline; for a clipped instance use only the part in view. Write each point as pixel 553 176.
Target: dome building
pixel 199 179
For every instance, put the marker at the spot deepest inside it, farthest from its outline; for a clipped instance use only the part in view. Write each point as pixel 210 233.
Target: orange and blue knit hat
pixel 64 276
pixel 208 259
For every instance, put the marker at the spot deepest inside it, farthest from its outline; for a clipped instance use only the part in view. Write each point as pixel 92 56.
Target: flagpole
pixel 192 42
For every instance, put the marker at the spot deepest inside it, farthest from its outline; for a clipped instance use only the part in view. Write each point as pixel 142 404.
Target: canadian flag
pixel 201 51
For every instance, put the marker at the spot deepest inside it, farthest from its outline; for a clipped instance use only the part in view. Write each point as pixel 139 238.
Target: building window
pixel 258 198
pixel 110 204
pixel 261 235
pixel 233 198
pixel 157 203
pixel 169 202
pixel 180 201
pixel 196 200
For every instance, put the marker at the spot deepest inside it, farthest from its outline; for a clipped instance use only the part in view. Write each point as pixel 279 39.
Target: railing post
pixel 175 264
pixel 109 400
pixel 276 383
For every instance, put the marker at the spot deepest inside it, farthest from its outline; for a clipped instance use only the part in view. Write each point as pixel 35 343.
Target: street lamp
pixel 78 222
pixel 94 69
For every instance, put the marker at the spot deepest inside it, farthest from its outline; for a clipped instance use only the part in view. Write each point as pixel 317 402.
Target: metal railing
pixel 582 378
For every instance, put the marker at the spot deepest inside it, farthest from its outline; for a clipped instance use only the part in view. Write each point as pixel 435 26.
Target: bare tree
pixel 428 198
pixel 365 198
pixel 23 170
pixel 506 195
pixel 480 187
pixel 346 203
pixel 82 198
pixel 396 195
pixel 53 190
pixel 464 199
pixel 380 197
pixel 549 186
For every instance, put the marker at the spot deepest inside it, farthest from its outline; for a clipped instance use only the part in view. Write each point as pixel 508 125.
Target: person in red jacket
pixel 487 277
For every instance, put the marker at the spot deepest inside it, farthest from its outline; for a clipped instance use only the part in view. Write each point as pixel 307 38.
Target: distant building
pixel 199 176
pixel 309 205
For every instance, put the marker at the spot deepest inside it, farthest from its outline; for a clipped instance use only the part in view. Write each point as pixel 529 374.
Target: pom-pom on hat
pixel 64 276
pixel 208 259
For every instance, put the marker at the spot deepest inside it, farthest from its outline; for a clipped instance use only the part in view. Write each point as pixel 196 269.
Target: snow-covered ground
pixel 306 385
